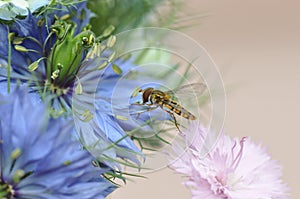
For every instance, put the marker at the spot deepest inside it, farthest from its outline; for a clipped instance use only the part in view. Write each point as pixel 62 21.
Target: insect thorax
pixel 158 97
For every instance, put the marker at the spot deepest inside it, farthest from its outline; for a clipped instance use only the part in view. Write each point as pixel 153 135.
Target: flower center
pixel 58 91
pixel 67 53
pixel 220 185
pixel 6 190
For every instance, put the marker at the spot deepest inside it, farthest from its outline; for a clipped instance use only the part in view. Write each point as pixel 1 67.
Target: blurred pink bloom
pixel 234 169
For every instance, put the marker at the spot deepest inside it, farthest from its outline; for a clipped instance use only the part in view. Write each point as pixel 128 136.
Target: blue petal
pixel 58 166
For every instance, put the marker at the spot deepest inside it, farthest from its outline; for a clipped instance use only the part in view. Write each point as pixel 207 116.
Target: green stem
pixel 8 60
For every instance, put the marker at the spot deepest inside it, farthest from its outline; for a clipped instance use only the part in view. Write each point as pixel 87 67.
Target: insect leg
pixel 151 107
pixel 175 121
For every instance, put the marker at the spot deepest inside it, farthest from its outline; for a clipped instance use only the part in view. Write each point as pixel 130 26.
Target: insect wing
pixel 188 91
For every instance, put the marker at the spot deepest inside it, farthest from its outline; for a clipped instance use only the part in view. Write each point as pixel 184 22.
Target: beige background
pixel 256 44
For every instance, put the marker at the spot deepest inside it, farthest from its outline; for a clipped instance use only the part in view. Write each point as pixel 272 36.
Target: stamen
pixel 15 154
pixel 95 51
pixel 117 69
pixel 136 91
pixel 78 88
pixel 87 116
pixel 111 57
pixel 34 65
pixel 68 162
pixel 56 114
pixel 18 40
pixel 108 31
pixel 6 191
pixel 95 163
pixel 120 117
pixel 238 158
pixel 103 65
pixel 111 41
pixel 18 175
pixel 41 22
pixel 65 17
pixel 232 151
pixel 23 49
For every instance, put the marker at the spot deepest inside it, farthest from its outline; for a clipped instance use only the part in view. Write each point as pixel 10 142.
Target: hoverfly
pixel 153 98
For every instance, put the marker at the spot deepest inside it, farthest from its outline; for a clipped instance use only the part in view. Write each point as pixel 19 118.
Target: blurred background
pixel 256 45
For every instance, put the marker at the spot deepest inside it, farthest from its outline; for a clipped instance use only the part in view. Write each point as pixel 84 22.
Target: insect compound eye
pixel 146 94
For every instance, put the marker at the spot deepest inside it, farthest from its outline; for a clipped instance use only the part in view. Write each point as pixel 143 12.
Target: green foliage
pixel 123 14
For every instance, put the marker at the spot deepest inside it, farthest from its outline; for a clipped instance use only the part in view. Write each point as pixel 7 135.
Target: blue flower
pixel 48 55
pixel 98 125
pixel 40 158
pixel 32 40
pixel 103 111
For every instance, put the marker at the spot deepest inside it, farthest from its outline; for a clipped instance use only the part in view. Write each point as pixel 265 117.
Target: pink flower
pixel 234 169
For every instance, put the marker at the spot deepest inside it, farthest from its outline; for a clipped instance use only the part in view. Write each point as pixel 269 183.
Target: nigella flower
pixel 40 158
pixel 26 46
pixel 32 38
pixel 98 121
pixel 234 169
pixel 50 53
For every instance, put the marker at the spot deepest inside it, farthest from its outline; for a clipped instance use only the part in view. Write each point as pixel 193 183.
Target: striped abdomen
pixel 178 109
pixel 169 105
